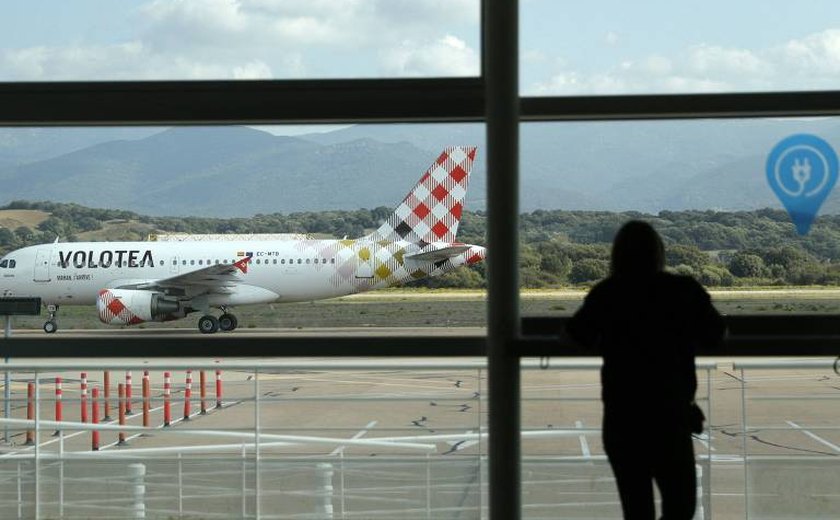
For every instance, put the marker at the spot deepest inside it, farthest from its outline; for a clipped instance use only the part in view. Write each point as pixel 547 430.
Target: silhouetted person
pixel 646 324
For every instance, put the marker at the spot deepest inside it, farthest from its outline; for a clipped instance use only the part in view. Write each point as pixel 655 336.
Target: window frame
pixel 492 98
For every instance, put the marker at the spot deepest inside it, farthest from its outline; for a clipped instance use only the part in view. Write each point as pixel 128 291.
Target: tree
pixel 748 265
pixel 7 238
pixel 715 275
pixel 588 270
pixel 25 234
pixel 678 254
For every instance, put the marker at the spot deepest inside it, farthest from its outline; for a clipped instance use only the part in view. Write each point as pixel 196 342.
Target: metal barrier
pixel 331 439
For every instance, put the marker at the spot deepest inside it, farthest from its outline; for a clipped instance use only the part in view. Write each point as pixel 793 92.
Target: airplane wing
pixel 212 277
pixel 437 255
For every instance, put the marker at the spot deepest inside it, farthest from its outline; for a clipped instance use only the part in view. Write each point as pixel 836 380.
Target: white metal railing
pixel 43 480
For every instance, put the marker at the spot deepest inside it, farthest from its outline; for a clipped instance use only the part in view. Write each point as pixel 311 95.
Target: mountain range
pixel 242 171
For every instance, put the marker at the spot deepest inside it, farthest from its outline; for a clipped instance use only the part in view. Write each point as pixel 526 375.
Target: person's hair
pixel 637 250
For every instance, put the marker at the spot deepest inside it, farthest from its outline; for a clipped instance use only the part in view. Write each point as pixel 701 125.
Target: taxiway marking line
pixel 70 436
pixel 815 436
pixel 705 440
pixel 584 444
pixel 367 428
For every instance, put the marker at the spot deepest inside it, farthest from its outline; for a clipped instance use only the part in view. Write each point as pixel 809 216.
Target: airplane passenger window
pixel 201 262
pixel 300 261
pixel 183 262
pixel 192 262
pixel 307 260
pixel 275 261
pixel 282 260
pixel 160 263
pixel 174 262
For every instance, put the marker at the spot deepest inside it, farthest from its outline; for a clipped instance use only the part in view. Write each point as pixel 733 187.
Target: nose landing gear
pixel 51 325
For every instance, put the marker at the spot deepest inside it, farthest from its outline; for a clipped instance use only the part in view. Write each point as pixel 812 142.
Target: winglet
pixel 242 265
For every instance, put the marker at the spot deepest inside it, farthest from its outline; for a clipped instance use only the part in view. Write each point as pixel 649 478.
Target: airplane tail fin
pixel 432 210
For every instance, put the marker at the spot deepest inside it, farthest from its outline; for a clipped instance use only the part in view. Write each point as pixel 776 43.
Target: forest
pixel 558 248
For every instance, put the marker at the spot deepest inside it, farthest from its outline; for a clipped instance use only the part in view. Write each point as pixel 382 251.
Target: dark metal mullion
pixel 241 102
pixel 146 346
pixel 501 75
pixel 381 100
pixel 676 106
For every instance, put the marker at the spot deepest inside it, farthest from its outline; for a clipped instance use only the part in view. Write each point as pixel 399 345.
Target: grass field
pixel 15 218
pixel 447 308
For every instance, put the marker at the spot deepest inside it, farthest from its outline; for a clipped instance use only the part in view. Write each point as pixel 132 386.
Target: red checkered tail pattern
pixel 432 210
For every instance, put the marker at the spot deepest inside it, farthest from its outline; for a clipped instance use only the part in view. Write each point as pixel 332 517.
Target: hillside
pixel 241 171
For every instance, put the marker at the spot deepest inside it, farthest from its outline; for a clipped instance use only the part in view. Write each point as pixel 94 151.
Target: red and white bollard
pixel 30 412
pixel 167 395
pixel 84 398
pixel 203 392
pixel 128 392
pixel 218 388
pixel 94 406
pixel 121 412
pixel 106 394
pixel 146 397
pixel 58 411
pixel 187 396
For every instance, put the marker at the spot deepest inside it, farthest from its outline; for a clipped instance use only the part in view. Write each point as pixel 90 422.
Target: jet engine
pixel 130 307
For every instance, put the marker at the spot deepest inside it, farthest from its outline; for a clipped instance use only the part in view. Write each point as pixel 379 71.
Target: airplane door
pixel 42 264
pixel 364 264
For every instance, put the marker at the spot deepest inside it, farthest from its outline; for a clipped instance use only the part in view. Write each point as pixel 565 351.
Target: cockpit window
pixel 11 264
pixel 3 264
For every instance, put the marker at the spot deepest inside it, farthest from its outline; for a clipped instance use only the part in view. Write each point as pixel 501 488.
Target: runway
pixel 175 333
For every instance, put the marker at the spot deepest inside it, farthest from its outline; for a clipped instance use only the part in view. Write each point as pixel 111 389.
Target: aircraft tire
pixel 50 326
pixel 208 324
pixel 228 322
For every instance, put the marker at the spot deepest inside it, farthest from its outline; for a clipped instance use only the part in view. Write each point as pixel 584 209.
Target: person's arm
pixel 711 325
pixel 582 329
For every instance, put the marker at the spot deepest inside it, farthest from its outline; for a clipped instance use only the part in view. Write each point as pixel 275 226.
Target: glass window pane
pixel 704 185
pixel 613 47
pixel 229 39
pixel 294 194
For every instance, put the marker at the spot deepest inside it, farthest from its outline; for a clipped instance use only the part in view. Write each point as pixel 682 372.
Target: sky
pixel 566 48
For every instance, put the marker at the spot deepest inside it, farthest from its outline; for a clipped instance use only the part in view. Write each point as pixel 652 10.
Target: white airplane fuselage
pixel 278 271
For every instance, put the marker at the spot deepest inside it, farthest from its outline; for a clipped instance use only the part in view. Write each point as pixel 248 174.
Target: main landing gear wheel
pixel 227 322
pixel 208 324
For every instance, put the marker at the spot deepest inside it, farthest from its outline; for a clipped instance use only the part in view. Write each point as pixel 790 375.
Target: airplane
pixel 137 282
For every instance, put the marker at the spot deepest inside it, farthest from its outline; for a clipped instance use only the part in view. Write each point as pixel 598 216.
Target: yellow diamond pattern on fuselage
pixel 382 271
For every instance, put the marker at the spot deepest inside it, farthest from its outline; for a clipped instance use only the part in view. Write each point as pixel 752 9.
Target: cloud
pixel 818 53
pixel 220 39
pixel 808 63
pixel 448 56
